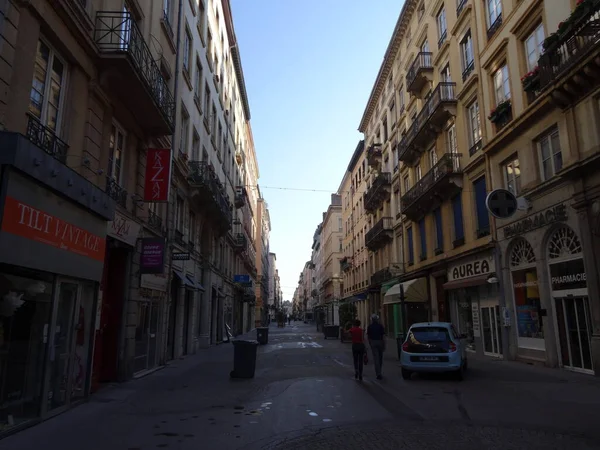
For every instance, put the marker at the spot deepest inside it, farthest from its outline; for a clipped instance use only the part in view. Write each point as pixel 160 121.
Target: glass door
pixel 573 320
pixel 61 345
pixel 490 328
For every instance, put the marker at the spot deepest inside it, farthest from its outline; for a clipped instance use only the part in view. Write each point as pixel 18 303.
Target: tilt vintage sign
pixel 479 265
pixel 31 223
pixel 124 229
pixel 158 166
pixel 552 215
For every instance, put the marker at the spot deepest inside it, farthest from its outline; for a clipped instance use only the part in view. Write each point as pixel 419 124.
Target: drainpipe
pixel 168 211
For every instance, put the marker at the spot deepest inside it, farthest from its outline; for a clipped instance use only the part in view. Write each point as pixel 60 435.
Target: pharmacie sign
pixel 472 267
pixel 568 275
pixel 552 215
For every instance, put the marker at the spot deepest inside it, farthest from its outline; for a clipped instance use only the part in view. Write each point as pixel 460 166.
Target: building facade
pixel 262 262
pixel 331 283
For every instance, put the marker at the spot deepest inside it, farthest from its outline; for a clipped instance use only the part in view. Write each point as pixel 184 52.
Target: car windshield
pixel 428 340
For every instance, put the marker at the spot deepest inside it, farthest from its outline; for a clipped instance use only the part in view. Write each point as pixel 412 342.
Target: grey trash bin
pixel 262 335
pixel 244 359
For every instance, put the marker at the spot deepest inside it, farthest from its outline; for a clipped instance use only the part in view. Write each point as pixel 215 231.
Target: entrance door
pixel 62 345
pixel 491 330
pixel 187 312
pixel 573 320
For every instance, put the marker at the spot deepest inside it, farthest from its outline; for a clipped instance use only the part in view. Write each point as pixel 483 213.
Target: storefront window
pixel 527 303
pixel 464 316
pixel 25 308
pixel 84 333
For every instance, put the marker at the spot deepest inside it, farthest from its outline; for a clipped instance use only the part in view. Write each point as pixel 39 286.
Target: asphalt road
pixel 304 396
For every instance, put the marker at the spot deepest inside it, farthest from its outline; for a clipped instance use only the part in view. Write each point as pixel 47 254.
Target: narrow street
pixel 304 396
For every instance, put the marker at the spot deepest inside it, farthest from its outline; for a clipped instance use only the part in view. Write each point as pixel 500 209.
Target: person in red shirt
pixel 358 348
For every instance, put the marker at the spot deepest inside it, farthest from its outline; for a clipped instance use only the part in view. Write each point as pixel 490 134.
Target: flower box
pixel 531 80
pixel 501 112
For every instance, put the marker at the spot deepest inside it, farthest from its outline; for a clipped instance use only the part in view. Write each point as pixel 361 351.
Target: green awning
pixel 387 285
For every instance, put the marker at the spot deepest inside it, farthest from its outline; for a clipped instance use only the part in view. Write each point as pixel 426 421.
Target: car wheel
pixel 406 374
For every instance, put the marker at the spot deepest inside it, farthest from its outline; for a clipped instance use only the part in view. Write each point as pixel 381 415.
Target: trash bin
pixel 331 331
pixel 262 335
pixel 399 341
pixel 244 359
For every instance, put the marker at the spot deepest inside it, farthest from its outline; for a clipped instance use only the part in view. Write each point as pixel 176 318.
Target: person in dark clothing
pixel 376 335
pixel 358 349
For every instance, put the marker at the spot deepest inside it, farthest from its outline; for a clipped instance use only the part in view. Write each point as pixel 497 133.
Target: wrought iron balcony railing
pixel 240 197
pixel 381 276
pixel 345 264
pixel 116 192
pixel 203 176
pixel 444 93
pixel 378 192
pixel 460 7
pixel 494 27
pixel 155 221
pixel 377 236
pixel 579 40
pixel 374 154
pixel 241 242
pixel 423 61
pixel 46 139
pixel 117 33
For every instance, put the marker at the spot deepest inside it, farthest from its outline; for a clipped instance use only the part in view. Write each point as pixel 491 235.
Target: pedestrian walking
pixel 376 335
pixel 358 349
pixel 289 320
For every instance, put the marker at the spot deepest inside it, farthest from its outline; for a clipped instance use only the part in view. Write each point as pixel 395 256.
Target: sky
pixel 309 68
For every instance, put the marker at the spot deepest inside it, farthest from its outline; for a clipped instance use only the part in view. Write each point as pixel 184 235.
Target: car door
pixel 460 342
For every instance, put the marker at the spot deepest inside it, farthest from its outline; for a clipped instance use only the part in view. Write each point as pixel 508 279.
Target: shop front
pixel 405 303
pixel 52 247
pixel 474 302
pixel 547 278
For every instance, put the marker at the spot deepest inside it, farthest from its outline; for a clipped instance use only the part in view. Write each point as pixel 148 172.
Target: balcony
pixel 569 67
pixel 116 192
pixel 380 277
pixel 380 234
pixel 249 295
pixel 346 264
pixel 249 259
pixel 240 197
pixel 130 70
pixel 374 154
pixel 494 27
pixel 240 242
pixel 45 139
pixel 419 73
pixel 379 191
pixel 209 194
pixel 442 182
pixel 439 107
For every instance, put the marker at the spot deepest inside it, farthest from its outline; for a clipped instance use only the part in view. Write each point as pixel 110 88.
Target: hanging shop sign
pixel 552 215
pixel 568 275
pixel 124 229
pixel 158 164
pixel 472 267
pixel 152 259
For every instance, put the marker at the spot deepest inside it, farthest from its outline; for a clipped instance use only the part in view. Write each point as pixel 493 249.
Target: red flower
pixel 579 2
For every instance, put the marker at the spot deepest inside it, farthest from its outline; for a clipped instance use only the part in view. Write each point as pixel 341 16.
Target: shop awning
pixel 184 279
pixel 357 298
pixel 467 282
pixel 195 283
pixel 415 291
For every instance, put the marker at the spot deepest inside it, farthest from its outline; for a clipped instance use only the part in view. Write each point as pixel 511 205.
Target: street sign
pixel 181 256
pixel 501 203
pixel 241 279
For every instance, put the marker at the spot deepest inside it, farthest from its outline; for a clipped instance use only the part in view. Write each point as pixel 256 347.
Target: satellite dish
pixel 157 46
pixel 501 203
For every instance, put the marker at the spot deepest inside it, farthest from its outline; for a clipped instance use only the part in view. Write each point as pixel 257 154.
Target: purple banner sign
pixel 152 259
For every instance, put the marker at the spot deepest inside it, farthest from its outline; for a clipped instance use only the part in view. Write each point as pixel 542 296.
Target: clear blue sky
pixel 309 68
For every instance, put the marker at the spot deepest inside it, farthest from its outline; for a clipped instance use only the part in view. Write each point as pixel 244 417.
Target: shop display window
pixel 527 303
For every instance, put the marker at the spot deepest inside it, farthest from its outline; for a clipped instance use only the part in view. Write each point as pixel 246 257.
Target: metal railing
pixel 370 197
pixel 494 27
pixel 203 174
pixel 117 33
pixel 46 139
pixel 116 192
pixel 444 92
pixel 442 39
pixel 384 224
pixel 460 7
pixel 381 276
pixel 470 67
pixel 448 164
pixel 374 152
pixel 155 221
pixel 167 23
pixel 241 241
pixel 475 147
pixel 178 237
pixel 423 60
pixel 571 46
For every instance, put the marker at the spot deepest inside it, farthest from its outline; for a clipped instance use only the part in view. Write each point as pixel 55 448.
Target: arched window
pixel 522 254
pixel 564 243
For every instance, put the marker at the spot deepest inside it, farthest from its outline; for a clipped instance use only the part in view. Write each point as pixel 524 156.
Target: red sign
pixel 26 221
pixel 158 166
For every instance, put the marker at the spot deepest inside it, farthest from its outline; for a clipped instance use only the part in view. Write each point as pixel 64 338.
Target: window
pixel 433 159
pixel 179 214
pixel 198 81
pixel 207 101
pixel 439 230
pixel 445 74
pixel 46 99
pixel 494 11
pixel 187 51
pixel 418 173
pixel 211 55
pixel 340 248
pixel 452 146
pixel 457 213
pixel 184 131
pixel 385 130
pixel 423 238
pixel 550 154
pixel 483 218
pixel 393 114
pixel 441 26
pixel 474 123
pixel 425 46
pixel 195 156
pixel 201 18
pixel 466 52
pixel 409 246
pixel 533 46
pixel 501 84
pixel 340 224
pixel 214 119
pixel 512 176
pixel 192 229
pixel 401 100
pixel 116 148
